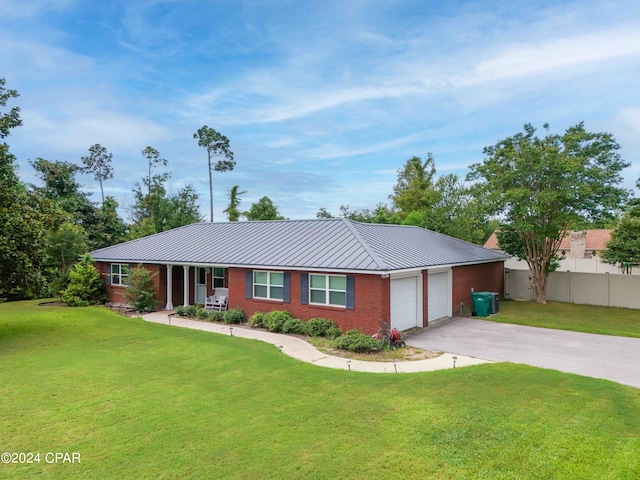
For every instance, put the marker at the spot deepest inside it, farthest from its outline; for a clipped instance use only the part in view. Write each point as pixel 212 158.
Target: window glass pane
pixel 260 277
pixel 318 296
pixel 260 291
pixel 218 272
pixel 338 298
pixel 337 283
pixel 277 278
pixel 115 269
pixel 202 276
pixel 277 293
pixel 318 281
pixel 218 282
pixel 124 269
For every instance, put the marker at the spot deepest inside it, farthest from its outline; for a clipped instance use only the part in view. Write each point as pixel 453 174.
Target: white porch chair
pixel 218 301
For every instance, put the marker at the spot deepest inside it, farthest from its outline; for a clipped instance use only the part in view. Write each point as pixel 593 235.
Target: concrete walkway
pixel 301 350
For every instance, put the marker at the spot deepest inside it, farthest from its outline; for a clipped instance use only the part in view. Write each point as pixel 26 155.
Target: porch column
pixel 186 284
pixel 169 305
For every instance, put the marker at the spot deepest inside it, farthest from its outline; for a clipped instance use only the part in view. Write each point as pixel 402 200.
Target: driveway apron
pixel 599 356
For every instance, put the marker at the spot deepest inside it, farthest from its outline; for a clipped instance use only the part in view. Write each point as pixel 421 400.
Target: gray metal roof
pixel 327 244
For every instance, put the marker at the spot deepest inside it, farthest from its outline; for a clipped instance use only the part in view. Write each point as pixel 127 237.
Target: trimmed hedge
pixel 293 325
pixel 275 319
pixel 257 320
pixel 319 327
pixel 235 316
pixel 216 316
pixel 354 341
pixel 186 311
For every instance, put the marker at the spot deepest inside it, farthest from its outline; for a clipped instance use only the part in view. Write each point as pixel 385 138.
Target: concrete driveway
pixel 600 356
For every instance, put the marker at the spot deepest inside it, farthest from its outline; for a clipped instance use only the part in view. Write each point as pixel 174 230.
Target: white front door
pixel 405 304
pixel 201 284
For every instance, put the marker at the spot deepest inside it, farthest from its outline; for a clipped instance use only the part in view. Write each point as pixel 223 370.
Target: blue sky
pixel 323 101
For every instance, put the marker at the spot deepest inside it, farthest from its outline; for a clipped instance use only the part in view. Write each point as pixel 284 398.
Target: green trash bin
pixel 481 303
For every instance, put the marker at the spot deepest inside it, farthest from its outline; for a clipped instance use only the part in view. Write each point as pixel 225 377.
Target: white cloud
pixel 334 151
pixel 556 55
pixel 31 8
pixel 31 58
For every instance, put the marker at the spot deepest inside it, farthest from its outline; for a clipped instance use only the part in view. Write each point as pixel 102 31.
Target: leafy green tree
pixel 323 213
pixel 10 119
pixel 233 210
pixel 65 245
pixel 102 224
pixel 442 204
pixel 110 228
pixel 153 160
pixel 140 290
pixel 158 211
pixel 25 218
pixel 98 162
pixel 414 189
pixel 457 213
pixel 216 145
pixel 263 209
pixel 181 208
pixel 623 249
pixel 148 206
pixel 60 186
pixel 381 214
pixel 544 187
pixel 85 285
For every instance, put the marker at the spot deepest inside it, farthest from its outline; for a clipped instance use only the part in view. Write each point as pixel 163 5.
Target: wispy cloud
pixel 556 55
pixel 322 101
pixel 21 9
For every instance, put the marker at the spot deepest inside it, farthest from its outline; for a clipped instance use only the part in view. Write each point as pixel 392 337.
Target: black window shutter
pixel 108 274
pixel 351 289
pixel 286 296
pixel 249 284
pixel 304 288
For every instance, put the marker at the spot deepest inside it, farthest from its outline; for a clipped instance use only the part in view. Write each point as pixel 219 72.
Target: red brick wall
pixel 371 297
pixel 372 294
pixel 486 277
pixel 115 293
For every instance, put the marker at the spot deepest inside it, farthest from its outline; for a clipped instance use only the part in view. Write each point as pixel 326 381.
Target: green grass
pixel 140 400
pixel 624 322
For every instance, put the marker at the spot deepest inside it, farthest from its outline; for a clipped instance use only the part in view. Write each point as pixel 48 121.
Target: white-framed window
pixel 328 290
pixel 268 285
pixel 217 279
pixel 119 274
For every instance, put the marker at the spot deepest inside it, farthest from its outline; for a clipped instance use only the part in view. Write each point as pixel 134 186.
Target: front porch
pixel 191 284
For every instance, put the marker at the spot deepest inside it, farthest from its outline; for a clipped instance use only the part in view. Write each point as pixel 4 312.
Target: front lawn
pixel 141 400
pixel 624 322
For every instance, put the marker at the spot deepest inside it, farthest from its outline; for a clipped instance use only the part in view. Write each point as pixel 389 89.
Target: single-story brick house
pixel 354 273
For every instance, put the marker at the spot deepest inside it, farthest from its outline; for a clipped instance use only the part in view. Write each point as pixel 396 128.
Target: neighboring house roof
pixel 328 244
pixel 596 239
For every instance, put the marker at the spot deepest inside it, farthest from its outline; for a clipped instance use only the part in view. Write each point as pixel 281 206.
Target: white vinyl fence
pixel 613 290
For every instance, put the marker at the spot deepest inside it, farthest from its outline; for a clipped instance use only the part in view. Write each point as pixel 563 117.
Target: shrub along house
pixel 354 273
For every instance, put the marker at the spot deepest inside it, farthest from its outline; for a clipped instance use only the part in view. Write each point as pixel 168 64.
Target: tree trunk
pixel 210 190
pixel 539 280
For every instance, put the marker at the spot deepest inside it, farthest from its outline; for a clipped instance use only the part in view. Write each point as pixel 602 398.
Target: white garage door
pixel 404 303
pixel 438 295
